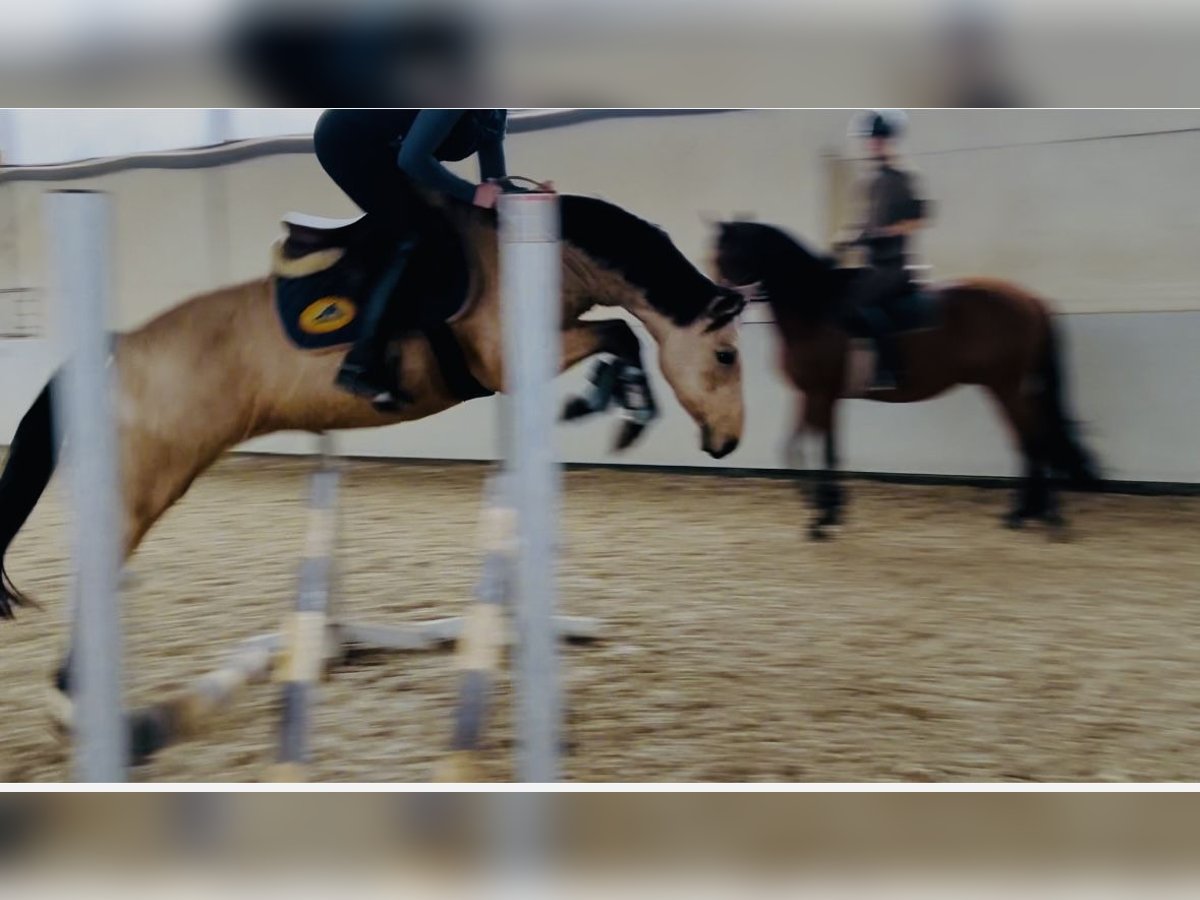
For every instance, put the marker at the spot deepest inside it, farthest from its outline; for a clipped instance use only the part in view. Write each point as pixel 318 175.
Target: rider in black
pixel 893 212
pixel 383 159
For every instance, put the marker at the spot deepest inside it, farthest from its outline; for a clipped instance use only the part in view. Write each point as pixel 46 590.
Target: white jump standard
pixel 531 288
pixel 79 240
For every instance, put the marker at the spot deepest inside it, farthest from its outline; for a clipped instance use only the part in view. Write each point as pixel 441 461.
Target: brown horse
pixel 218 369
pixel 985 332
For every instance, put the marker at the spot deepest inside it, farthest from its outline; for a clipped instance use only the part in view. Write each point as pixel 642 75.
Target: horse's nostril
pixel 724 450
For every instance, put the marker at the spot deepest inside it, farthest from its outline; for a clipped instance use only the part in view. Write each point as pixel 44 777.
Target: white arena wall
pixel 1098 210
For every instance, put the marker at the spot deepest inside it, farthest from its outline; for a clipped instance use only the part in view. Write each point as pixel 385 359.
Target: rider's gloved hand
pixel 487 194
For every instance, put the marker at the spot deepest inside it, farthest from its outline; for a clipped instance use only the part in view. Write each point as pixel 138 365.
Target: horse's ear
pixel 718 226
pixel 751 293
pixel 726 305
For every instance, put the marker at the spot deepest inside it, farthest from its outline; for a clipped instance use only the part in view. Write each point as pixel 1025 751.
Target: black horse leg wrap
pixel 633 394
pixel 602 385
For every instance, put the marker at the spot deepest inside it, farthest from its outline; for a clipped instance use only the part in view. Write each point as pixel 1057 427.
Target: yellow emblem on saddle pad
pixel 327 314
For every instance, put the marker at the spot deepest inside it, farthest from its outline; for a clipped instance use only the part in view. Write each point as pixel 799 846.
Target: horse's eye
pixel 726 356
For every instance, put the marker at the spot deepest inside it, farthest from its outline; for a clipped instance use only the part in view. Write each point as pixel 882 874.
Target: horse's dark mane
pixel 642 253
pixel 795 281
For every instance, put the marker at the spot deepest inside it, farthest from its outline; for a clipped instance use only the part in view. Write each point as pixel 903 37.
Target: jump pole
pixel 80 279
pixel 480 650
pixel 530 259
pixel 306 635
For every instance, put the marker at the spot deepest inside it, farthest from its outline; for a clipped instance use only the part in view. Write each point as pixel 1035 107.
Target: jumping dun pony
pixel 219 369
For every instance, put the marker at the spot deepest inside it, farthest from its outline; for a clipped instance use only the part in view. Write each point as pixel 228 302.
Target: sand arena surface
pixel 927 643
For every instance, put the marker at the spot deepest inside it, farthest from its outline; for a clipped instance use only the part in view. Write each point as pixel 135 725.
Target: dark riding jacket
pixel 891 199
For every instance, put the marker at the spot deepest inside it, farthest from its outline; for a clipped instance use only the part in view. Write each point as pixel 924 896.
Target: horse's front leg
pixel 618 378
pixel 827 492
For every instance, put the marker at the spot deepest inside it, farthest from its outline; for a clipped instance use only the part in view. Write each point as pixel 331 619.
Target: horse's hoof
pixel 818 532
pixel 630 432
pixel 1057 526
pixel 576 408
pixel 1014 520
pixel 149 732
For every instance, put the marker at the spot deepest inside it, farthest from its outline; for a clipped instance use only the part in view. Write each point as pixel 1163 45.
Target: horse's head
pixel 692 319
pixel 737 255
pixel 702 362
pixel 767 263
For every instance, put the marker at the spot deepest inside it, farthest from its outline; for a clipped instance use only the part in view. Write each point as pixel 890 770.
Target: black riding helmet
pixel 878 123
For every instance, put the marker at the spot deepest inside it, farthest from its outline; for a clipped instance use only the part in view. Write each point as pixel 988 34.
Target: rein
pixel 519 184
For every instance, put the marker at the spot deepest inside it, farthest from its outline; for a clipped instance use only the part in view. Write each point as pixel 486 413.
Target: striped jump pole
pixel 189 712
pixel 519 522
pixel 78 232
pixel 307 633
pixel 295 657
pixel 484 635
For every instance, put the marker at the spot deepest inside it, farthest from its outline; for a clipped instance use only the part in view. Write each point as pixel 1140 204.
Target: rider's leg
pixel 357 149
pixel 894 285
pixel 871 302
pixel 368 370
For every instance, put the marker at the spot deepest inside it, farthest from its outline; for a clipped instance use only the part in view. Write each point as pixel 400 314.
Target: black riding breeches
pixel 357 148
pixel 878 288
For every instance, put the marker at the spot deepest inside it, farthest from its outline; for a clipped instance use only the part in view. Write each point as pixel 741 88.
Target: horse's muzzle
pixel 715 451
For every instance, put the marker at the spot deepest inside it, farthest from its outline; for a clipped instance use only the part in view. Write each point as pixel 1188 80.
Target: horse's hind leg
pixel 1035 498
pixel 794 455
pixel 150 486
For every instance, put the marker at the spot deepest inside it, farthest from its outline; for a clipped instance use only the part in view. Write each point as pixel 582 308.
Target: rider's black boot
pixel 367 370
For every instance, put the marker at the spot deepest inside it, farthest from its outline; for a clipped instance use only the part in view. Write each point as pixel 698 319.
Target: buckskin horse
pixel 224 367
pixel 983 331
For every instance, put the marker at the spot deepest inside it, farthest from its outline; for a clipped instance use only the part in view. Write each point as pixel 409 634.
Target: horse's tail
pixel 32 457
pixel 1067 455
